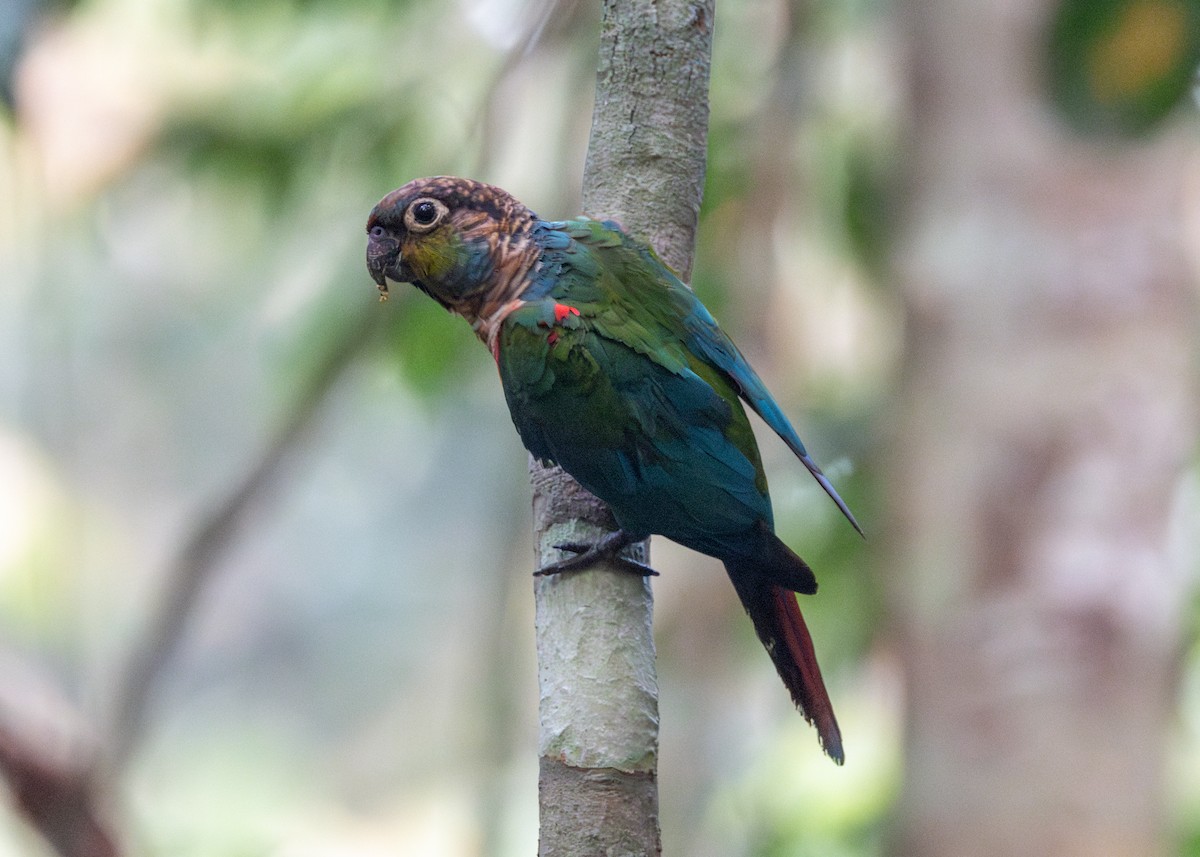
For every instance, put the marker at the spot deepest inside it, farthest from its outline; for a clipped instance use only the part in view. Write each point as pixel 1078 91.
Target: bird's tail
pixel 780 626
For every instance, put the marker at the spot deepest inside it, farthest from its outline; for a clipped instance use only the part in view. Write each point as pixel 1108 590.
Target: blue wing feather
pixel 711 343
pixel 700 334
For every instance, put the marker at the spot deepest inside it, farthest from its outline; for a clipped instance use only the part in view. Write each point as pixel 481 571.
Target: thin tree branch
pixel 599 693
pixel 56 797
pixel 48 760
pixel 210 541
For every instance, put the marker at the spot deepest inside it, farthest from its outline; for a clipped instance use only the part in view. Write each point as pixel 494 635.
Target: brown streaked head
pixel 465 243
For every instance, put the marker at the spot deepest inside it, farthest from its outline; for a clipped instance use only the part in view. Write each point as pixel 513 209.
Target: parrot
pixel 614 370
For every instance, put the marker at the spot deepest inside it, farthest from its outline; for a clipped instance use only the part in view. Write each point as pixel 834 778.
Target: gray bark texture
pixel 599 691
pixel 1046 415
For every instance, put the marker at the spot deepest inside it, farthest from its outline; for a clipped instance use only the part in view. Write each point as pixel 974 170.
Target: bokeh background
pixel 265 542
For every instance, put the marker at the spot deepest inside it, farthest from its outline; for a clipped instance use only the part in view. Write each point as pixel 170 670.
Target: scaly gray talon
pixel 607 549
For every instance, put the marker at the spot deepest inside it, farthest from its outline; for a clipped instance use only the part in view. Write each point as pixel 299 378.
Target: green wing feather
pixel 667 450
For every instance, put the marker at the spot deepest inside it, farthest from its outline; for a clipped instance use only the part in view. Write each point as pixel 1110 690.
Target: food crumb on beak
pixel 383 291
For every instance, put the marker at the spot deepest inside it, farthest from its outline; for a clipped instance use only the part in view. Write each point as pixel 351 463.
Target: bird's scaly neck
pixel 506 254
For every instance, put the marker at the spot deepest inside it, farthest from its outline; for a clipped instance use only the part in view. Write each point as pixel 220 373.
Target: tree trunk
pixel 599 691
pixel 1047 413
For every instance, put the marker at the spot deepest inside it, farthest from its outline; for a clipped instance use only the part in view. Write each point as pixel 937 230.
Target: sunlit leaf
pixel 1121 66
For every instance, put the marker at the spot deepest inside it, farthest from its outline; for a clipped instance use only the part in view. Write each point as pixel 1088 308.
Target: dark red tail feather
pixel 780 625
pixel 809 692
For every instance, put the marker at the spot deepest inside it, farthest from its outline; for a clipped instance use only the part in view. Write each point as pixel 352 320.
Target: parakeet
pixel 613 369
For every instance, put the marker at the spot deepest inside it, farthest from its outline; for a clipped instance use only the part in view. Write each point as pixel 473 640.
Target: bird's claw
pixel 607 550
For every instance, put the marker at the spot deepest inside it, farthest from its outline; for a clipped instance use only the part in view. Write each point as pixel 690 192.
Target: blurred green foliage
pixel 329 688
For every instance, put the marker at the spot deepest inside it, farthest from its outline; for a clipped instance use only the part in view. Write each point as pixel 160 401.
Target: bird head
pixel 466 244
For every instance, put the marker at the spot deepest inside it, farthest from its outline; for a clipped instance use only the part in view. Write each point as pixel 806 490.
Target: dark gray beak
pixel 383 259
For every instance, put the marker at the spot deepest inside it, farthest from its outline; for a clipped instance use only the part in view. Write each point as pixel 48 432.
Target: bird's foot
pixel 607 549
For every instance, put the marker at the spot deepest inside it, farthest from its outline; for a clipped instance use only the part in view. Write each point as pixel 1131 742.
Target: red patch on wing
pixel 553 337
pixel 561 311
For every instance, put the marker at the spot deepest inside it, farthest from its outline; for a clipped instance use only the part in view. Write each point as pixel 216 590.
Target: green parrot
pixel 614 370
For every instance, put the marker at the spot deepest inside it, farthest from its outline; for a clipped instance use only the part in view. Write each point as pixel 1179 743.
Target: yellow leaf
pixel 1146 44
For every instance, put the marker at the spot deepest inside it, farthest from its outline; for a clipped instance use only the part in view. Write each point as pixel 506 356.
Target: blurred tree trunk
pixel 1046 416
pixel 598 715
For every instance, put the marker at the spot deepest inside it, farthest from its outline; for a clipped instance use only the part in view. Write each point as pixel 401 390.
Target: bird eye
pixel 378 231
pixel 424 214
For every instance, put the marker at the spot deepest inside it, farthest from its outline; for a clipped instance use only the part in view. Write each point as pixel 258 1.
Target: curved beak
pixel 383 261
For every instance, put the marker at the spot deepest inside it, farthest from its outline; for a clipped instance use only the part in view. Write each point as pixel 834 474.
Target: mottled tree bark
pixel 1046 414
pixel 599 691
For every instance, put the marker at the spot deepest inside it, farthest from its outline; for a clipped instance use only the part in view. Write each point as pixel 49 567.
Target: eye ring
pixel 377 231
pixel 424 214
